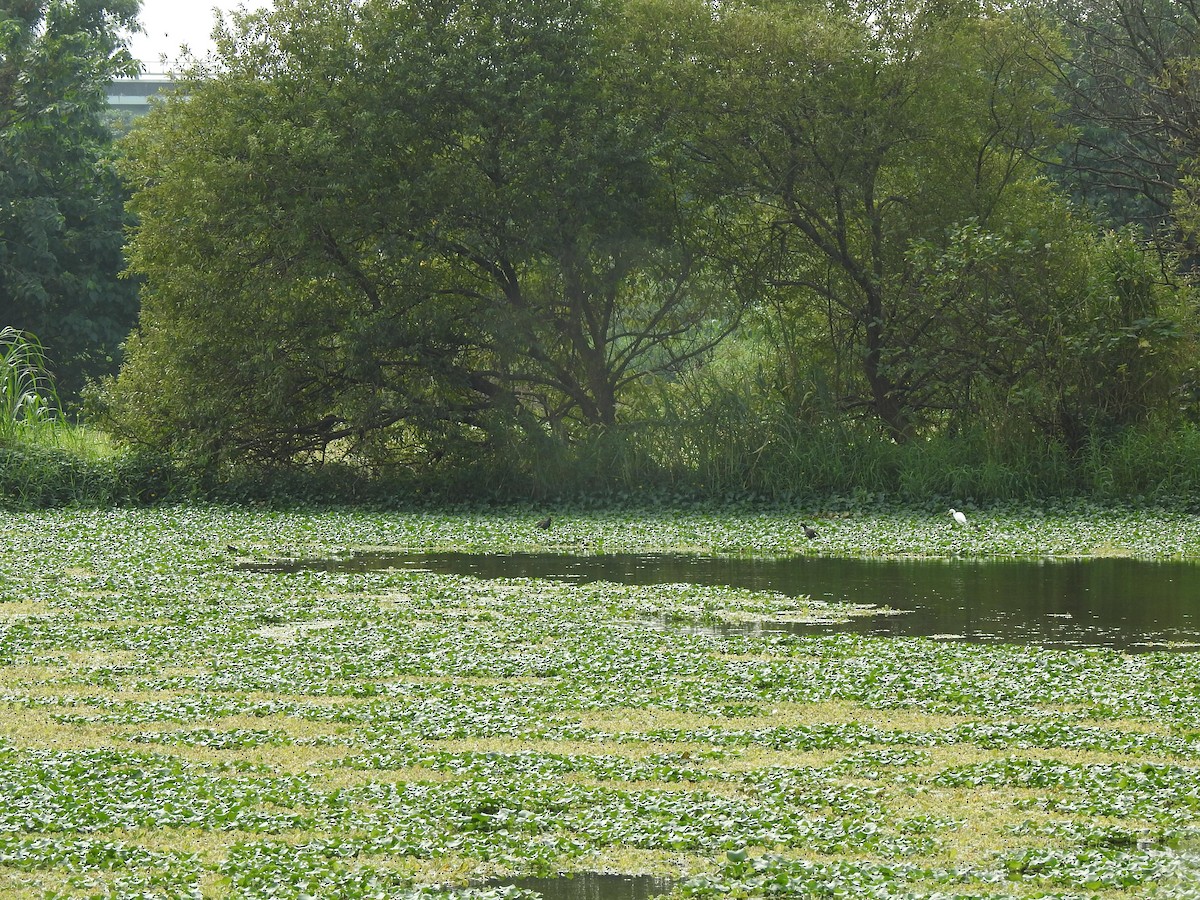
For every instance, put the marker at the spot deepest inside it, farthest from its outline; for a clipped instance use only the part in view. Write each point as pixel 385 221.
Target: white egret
pixel 959 517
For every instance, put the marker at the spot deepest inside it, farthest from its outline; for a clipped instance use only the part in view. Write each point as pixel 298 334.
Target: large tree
pixel 1128 76
pixel 61 204
pixel 380 224
pixel 859 131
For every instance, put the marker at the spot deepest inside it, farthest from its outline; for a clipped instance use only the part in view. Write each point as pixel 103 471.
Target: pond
pixel 1126 604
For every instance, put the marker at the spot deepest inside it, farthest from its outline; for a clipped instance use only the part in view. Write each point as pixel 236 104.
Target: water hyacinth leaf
pixel 174 718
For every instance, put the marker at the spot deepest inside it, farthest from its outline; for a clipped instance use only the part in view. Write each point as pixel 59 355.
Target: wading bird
pixel 809 531
pixel 544 523
pixel 959 517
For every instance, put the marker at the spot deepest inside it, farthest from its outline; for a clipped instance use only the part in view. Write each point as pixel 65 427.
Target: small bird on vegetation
pixel 958 517
pixel 544 523
pixel 809 531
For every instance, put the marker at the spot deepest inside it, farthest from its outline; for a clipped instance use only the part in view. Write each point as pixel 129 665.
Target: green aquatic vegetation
pixel 29 854
pixel 1160 795
pixel 92 791
pixel 662 768
pixel 313 870
pixel 1032 874
pixel 772 874
pixel 797 738
pixel 238 738
pixel 177 723
pixel 1089 869
pixel 1077 737
pixel 874 761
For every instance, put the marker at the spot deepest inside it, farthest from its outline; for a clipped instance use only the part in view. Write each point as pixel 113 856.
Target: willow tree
pixel 382 225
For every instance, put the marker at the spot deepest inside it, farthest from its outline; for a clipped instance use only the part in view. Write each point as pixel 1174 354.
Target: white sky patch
pixel 169 24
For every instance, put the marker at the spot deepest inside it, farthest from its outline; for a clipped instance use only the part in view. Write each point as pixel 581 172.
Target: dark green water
pixel 592 886
pixel 1125 604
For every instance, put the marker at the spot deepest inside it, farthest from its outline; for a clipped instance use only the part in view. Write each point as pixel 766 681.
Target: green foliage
pixel 61 204
pixel 389 233
pixel 47 470
pixel 1051 326
pixel 27 396
pixel 47 461
pixel 860 132
pixel 1128 81
pixel 500 248
pixel 178 722
pixel 731 454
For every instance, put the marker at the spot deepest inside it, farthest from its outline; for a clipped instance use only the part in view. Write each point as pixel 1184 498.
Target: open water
pixel 1129 605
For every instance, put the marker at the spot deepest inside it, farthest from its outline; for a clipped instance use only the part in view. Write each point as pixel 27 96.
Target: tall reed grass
pixel 837 466
pixel 45 459
pixel 724 443
pixel 27 396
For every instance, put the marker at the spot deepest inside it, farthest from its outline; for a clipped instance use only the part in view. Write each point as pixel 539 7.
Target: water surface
pixel 592 886
pixel 1131 605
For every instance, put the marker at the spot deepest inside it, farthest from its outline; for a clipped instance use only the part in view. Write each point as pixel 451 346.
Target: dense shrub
pixel 40 475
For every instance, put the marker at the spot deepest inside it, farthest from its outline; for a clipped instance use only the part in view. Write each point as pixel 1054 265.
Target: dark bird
pixel 232 549
pixel 809 531
pixel 544 523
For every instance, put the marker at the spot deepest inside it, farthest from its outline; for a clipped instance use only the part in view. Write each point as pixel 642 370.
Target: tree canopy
pixel 397 232
pixel 862 132
pixel 380 221
pixel 61 203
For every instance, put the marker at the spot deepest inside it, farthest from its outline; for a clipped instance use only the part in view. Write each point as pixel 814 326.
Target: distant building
pixel 130 97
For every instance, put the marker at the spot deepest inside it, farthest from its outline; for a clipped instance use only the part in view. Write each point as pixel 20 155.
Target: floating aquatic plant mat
pixel 174 726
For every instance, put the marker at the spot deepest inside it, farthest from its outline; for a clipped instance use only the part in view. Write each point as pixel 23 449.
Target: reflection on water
pixel 592 886
pixel 1127 604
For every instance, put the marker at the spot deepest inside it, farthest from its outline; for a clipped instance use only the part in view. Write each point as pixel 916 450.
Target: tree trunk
pixel 885 396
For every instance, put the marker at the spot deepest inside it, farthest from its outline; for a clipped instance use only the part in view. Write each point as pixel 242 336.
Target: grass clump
pixel 45 460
